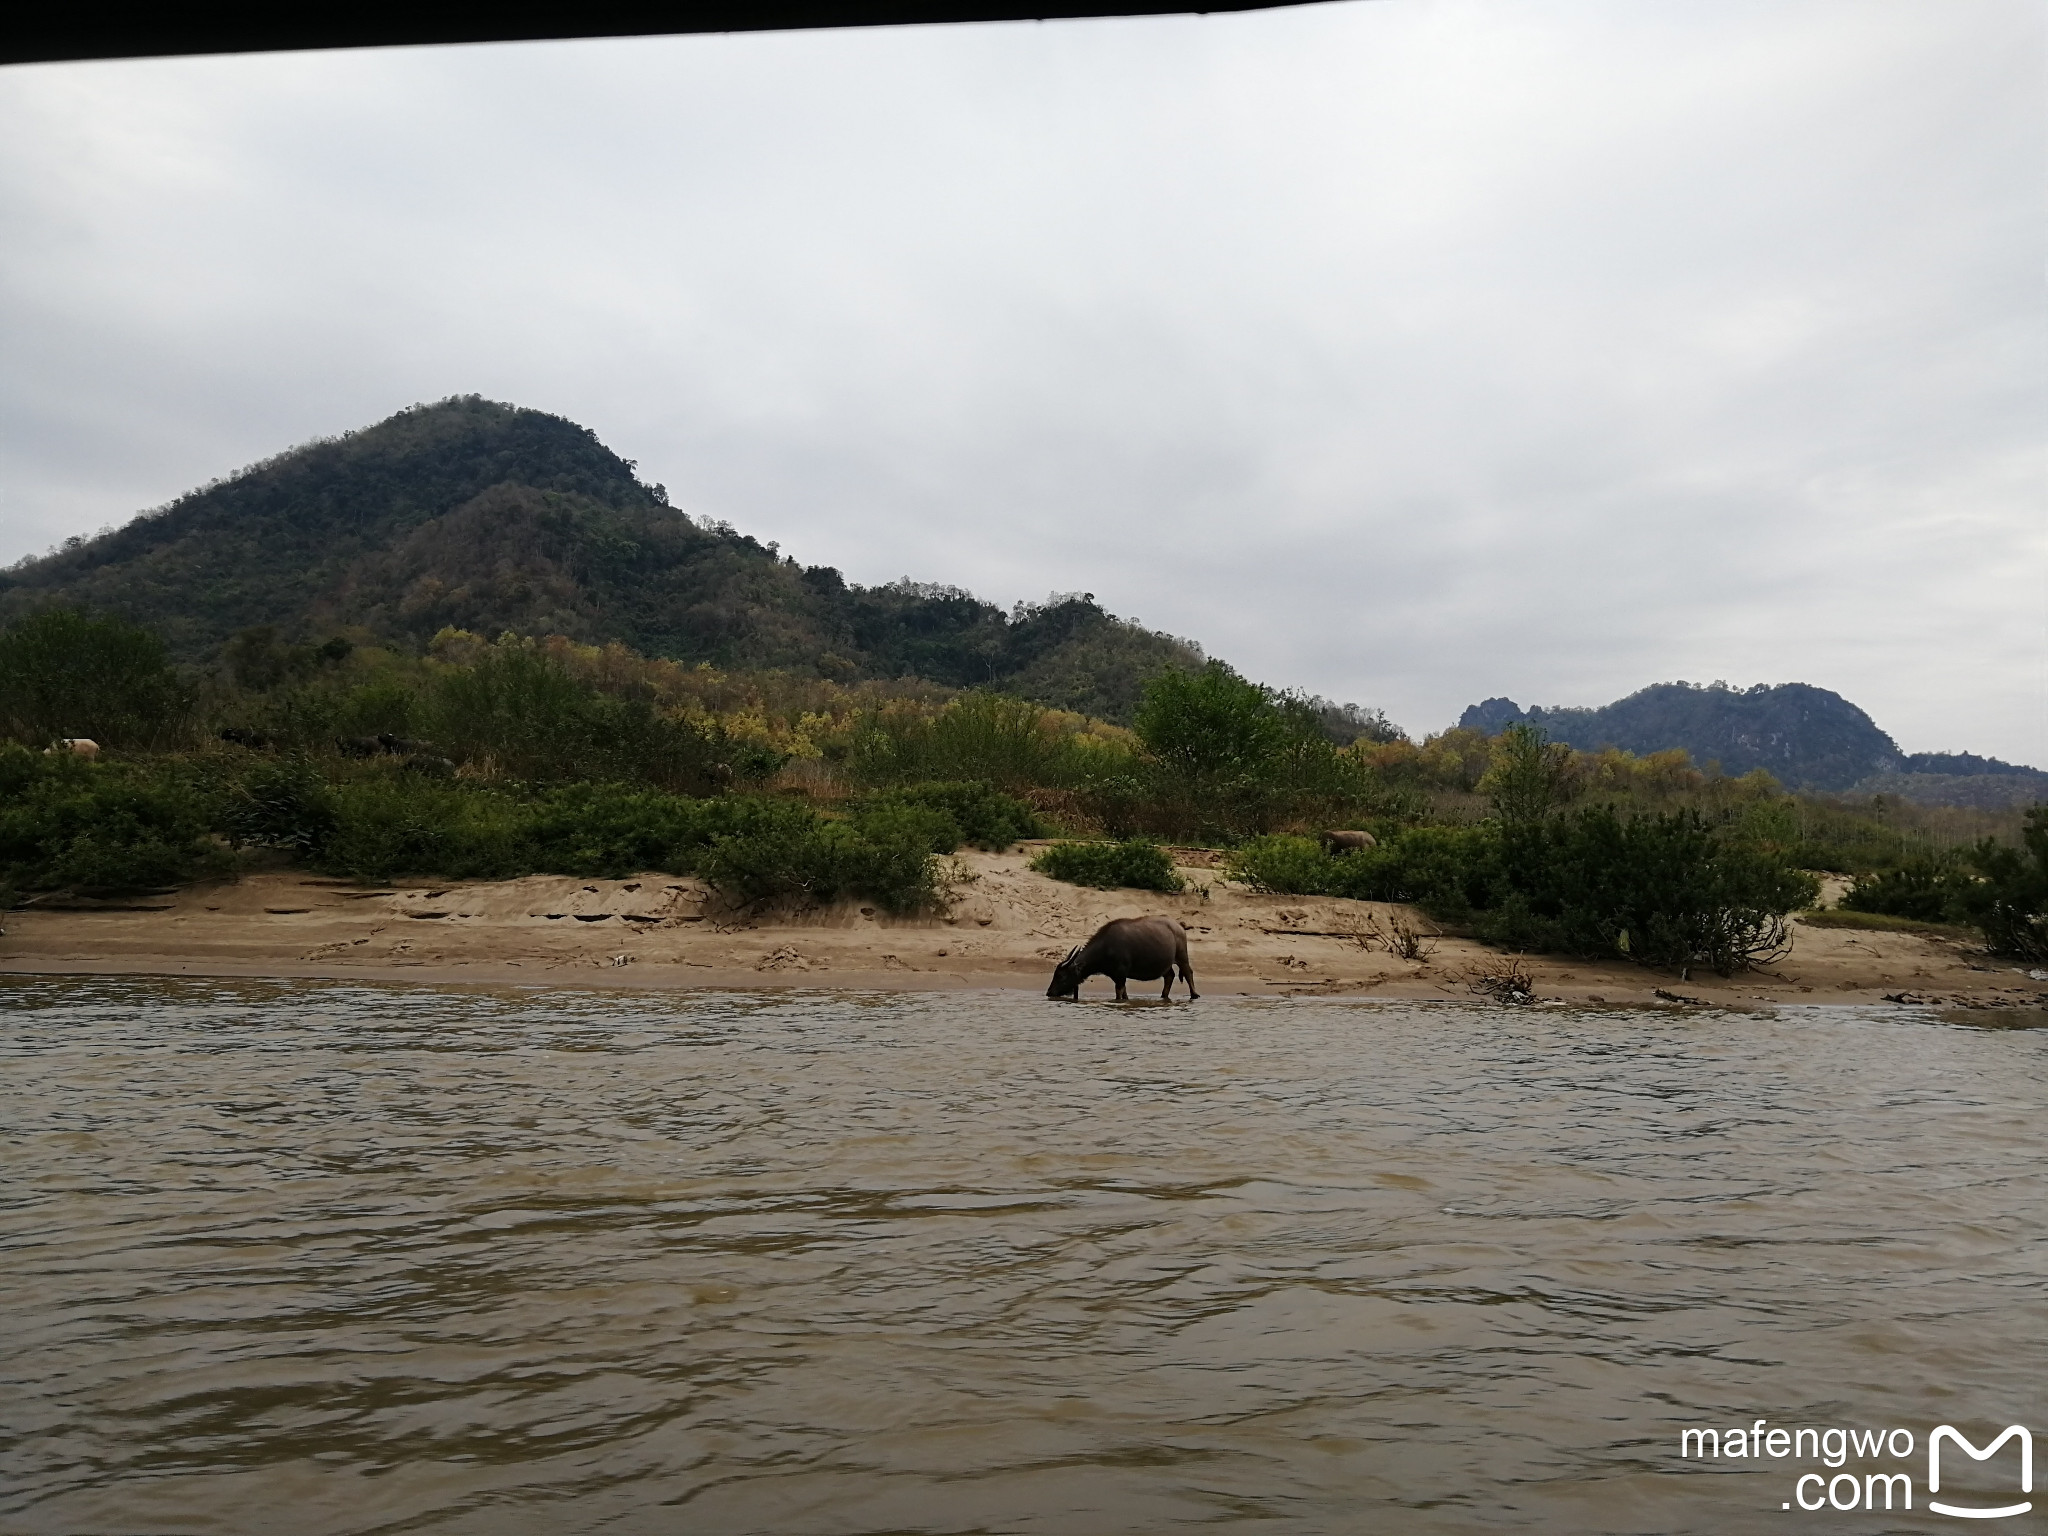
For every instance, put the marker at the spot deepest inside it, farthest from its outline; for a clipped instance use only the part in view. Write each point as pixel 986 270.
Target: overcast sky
pixel 1409 351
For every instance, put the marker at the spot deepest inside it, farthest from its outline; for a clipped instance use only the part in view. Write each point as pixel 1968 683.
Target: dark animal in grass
pixel 428 767
pixel 1128 949
pixel 242 736
pixel 1346 842
pixel 403 746
pixel 358 746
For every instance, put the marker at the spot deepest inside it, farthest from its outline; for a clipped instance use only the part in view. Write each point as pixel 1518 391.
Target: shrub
pixel 1927 890
pixel 986 738
pixel 524 712
pixel 801 861
pixel 258 661
pixel 811 861
pixel 387 826
pixel 1284 866
pixel 1664 890
pixel 1137 863
pixel 384 824
pixel 754 850
pixel 933 830
pixel 389 823
pixel 1449 870
pixel 1230 758
pixel 72 825
pixel 610 830
pixel 893 868
pixel 279 805
pixel 1120 801
pixel 980 814
pixel 380 705
pixel 2010 902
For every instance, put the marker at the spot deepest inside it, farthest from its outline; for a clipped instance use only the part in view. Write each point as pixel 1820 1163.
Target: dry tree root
pixel 1403 940
pixel 1504 981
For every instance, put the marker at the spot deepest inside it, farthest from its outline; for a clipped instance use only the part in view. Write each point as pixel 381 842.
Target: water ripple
pixel 370 1260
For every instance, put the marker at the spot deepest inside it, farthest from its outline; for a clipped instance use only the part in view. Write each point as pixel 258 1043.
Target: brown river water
pixel 322 1258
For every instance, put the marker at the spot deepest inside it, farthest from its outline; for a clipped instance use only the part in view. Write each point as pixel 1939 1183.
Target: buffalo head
pixel 1066 976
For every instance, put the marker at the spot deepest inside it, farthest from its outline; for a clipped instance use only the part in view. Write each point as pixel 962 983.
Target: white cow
pixel 77 746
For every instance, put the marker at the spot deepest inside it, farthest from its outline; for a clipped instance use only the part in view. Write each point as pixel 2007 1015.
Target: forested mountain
pixel 1805 737
pixel 489 517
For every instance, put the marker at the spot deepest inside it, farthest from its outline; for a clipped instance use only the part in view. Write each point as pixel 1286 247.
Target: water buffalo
pixel 358 746
pixel 75 746
pixel 242 736
pixel 404 746
pixel 1345 842
pixel 428 766
pixel 1127 949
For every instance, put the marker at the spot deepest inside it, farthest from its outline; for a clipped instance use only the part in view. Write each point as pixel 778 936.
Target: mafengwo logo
pixel 1954 1436
pixel 1887 1488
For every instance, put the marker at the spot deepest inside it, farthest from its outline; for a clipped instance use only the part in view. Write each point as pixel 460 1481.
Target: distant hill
pixel 1805 737
pixel 489 517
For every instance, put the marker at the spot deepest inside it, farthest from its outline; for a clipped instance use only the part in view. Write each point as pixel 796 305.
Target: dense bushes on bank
pixel 1664 889
pixel 73 825
pixel 543 756
pixel 2000 890
pixel 1213 757
pixel 753 849
pixel 2011 902
pixel 68 824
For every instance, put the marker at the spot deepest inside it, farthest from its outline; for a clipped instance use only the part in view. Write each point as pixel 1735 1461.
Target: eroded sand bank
pixel 1007 927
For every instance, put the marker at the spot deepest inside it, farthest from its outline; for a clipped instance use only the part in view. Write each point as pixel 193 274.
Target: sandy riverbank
pixel 1007 928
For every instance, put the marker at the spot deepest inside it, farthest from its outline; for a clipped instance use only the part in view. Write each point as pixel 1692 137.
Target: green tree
pixel 523 711
pixel 259 661
pixel 256 660
pixel 1530 776
pixel 1212 726
pixel 1230 757
pixel 66 673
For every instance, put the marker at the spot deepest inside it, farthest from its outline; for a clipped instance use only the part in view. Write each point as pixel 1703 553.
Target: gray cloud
pixel 1411 351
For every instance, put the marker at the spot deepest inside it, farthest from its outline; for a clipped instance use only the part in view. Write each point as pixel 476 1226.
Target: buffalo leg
pixel 1121 995
pixel 1187 974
